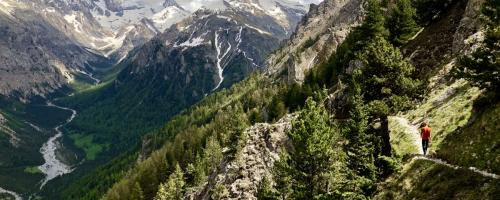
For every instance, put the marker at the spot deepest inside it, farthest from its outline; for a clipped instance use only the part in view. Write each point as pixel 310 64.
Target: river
pixel 53 167
pixel 16 196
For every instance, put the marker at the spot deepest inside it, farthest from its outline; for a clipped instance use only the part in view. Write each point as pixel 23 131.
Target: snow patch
pixel 220 57
pixel 311 62
pixel 194 5
pixel 72 19
pixel 191 42
pixel 88 74
pixel 49 10
pixel 168 16
pixel 279 15
pixel 258 30
pixel 224 17
pixel 6 7
pixel 113 43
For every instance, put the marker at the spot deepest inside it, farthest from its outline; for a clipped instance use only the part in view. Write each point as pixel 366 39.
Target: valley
pixel 49 120
pixel 115 71
pixel 53 166
pixel 249 99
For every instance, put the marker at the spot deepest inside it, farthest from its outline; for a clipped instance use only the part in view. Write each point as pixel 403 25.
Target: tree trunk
pixel 384 135
pixel 385 146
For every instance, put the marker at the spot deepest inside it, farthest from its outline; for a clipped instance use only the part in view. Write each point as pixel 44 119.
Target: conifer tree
pixel 195 172
pixel 374 23
pixel 136 193
pixel 174 188
pixel 386 84
pixel 276 109
pixel 314 159
pixel 212 154
pixel 360 144
pixel 401 23
pixel 265 190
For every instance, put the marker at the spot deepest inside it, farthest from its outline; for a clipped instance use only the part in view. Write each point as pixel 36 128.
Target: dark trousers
pixel 425 144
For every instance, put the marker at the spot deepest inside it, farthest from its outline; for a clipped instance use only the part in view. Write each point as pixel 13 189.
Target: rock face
pixel 206 52
pixel 338 102
pixel 321 31
pixel 241 176
pixel 469 24
pixel 38 55
pixel 47 44
pixel 14 140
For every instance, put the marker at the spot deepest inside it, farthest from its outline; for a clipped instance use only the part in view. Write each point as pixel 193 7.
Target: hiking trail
pixel 415 136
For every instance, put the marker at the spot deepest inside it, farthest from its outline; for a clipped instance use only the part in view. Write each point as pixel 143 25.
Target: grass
pixel 423 179
pixel 462 135
pixel 478 144
pixel 32 170
pixel 447 109
pixel 86 143
pixel 401 141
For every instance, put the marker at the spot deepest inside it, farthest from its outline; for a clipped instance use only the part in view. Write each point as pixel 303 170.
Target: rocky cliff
pixel 319 33
pixel 37 55
pixel 239 177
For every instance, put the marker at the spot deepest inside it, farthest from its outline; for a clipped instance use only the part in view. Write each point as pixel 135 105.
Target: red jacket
pixel 425 133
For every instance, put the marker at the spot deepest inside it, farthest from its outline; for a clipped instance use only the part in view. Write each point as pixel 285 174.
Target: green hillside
pixel 354 133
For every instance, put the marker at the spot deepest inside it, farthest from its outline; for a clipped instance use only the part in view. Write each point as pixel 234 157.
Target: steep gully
pixel 415 136
pixel 220 57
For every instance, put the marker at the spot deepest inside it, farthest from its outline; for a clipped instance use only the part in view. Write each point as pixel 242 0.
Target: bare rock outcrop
pixel 321 31
pixel 240 177
pixel 469 25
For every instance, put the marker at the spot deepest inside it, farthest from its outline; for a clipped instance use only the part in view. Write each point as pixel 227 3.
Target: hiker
pixel 425 134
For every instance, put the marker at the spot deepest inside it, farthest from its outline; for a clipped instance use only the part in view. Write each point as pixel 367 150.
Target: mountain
pixel 100 33
pixel 51 48
pixel 32 61
pixel 149 66
pixel 206 52
pixel 251 99
pixel 240 143
pixel 320 32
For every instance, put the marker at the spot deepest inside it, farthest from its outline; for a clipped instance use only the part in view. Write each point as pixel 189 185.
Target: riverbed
pixel 53 167
pixel 16 196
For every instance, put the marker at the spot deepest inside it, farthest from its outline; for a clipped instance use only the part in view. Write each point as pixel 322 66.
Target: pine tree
pixel 212 154
pixel 136 193
pixel 174 188
pixel 307 171
pixel 387 85
pixel 360 144
pixel 276 109
pixel 196 172
pixel 482 68
pixel 401 23
pixel 219 191
pixel 265 191
pixel 374 23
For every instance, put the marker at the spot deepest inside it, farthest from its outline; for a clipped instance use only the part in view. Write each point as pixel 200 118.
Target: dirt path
pixel 413 130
